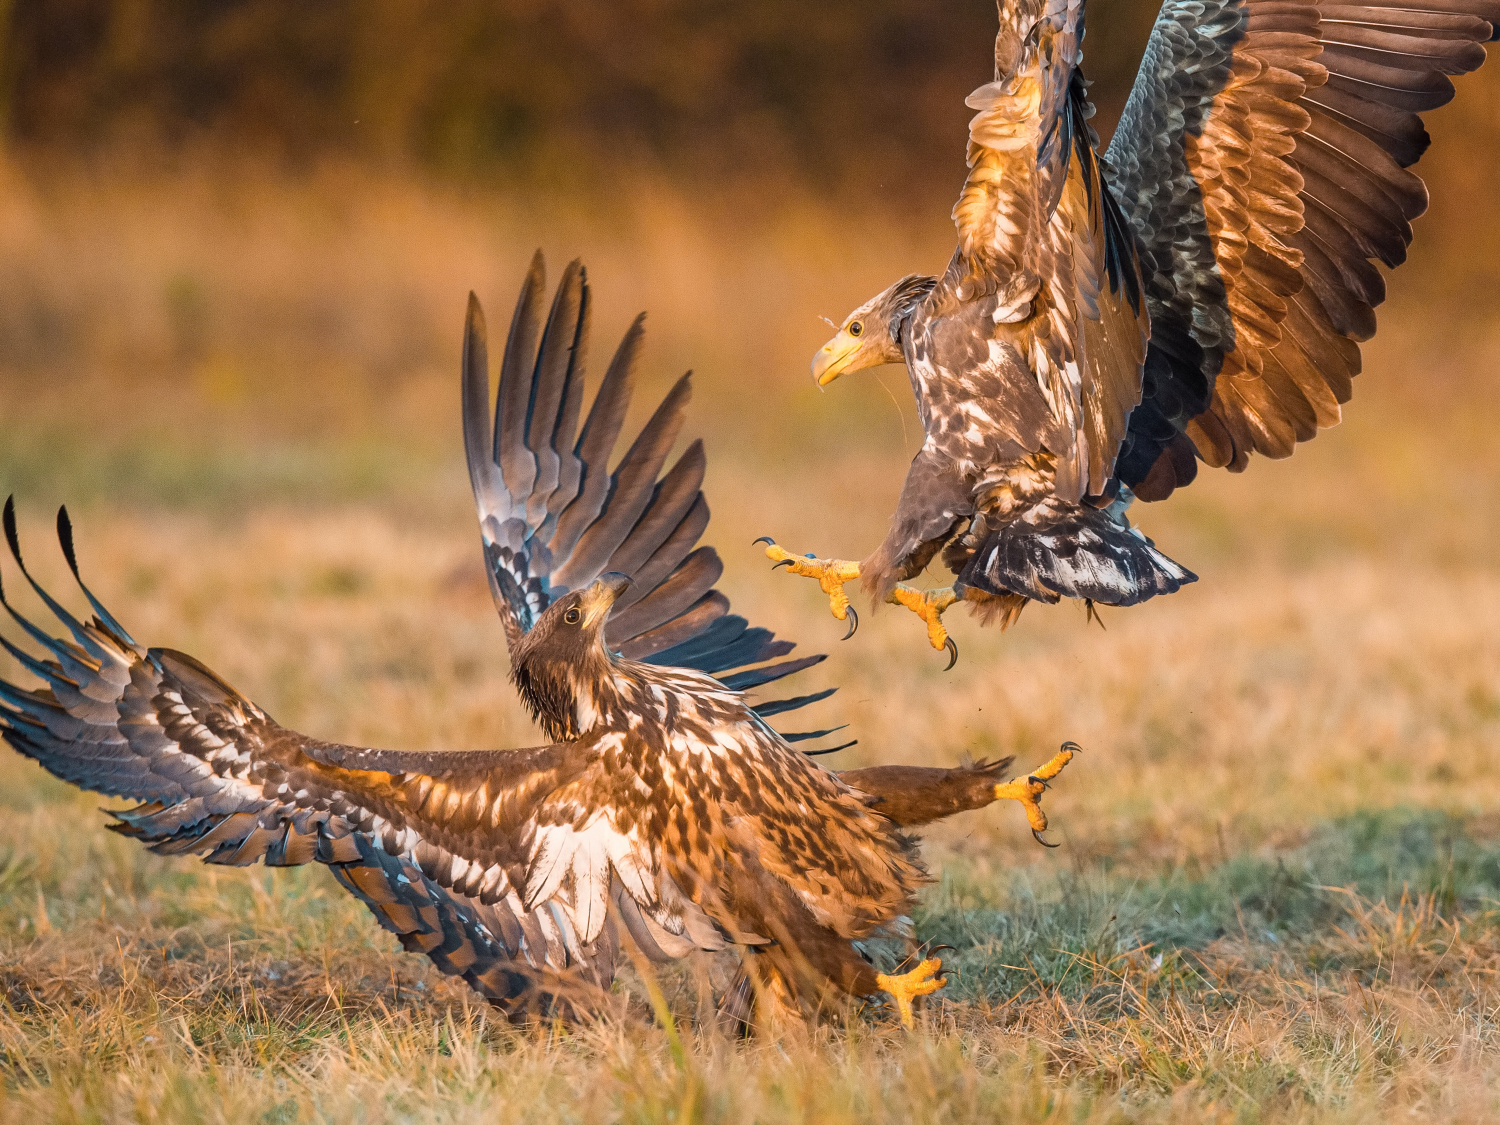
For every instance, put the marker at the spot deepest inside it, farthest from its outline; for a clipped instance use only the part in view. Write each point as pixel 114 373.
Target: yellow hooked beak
pixel 603 595
pixel 834 358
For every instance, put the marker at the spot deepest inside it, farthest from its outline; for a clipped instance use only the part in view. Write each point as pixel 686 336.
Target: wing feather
pixel 1274 131
pixel 553 515
pixel 1033 219
pixel 428 841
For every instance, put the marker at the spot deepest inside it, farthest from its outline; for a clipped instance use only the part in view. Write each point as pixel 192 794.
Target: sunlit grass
pixel 1276 895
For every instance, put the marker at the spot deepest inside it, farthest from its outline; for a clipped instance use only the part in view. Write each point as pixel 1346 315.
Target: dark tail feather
pixel 1078 552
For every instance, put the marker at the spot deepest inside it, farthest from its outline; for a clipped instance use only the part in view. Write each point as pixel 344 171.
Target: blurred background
pixel 236 237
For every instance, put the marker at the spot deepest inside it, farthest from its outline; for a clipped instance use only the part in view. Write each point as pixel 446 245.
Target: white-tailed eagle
pixel 1196 292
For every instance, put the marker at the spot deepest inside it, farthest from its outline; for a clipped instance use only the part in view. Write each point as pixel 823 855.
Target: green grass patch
pixel 1054 933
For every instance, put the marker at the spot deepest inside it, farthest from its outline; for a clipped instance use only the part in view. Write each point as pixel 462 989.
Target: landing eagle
pixel 664 809
pixel 1196 292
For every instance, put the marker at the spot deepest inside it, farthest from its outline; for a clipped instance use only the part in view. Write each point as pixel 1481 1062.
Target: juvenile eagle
pixel 664 804
pixel 1196 292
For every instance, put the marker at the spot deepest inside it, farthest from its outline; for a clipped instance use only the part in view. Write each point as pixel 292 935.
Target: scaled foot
pixel 833 573
pixel 830 573
pixel 906 987
pixel 929 606
pixel 1029 790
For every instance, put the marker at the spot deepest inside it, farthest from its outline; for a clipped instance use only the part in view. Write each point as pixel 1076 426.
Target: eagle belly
pixel 721 824
pixel 979 401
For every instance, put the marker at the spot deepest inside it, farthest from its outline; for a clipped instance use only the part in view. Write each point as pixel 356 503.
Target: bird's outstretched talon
pixel 903 988
pixel 929 606
pixel 853 623
pixel 830 573
pixel 1028 790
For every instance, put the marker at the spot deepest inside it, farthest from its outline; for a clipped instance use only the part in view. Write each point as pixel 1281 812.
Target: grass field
pixel 1277 894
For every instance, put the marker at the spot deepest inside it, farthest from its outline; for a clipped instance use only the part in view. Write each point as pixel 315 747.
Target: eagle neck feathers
pixel 596 692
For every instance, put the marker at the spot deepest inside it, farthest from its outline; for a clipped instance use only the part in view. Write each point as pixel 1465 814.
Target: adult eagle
pixel 663 805
pixel 1196 292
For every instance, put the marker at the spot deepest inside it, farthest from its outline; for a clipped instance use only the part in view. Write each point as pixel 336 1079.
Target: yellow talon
pixel 1029 790
pixel 833 573
pixel 906 987
pixel 830 573
pixel 929 606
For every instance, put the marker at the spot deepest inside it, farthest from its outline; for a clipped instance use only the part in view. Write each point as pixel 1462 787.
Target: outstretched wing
pixel 554 516
pixel 442 847
pixel 1042 246
pixel 1262 160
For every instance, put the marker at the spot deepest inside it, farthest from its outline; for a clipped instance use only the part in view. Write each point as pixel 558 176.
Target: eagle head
pixel 562 666
pixel 871 334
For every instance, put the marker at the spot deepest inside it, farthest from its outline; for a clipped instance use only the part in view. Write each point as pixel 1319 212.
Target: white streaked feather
pixel 551 857
pixel 590 871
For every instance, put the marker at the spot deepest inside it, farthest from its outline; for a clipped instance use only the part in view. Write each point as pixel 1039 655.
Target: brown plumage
pixel 1197 292
pixel 665 810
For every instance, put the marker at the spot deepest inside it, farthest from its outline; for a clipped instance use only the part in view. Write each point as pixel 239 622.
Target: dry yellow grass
pixel 245 388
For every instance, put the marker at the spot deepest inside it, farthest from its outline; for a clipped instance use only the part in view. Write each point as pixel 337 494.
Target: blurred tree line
pixel 829 90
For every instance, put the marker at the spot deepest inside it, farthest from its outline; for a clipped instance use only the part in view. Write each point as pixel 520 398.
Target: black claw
pixel 952 654
pixel 1038 837
pixel 782 563
pixel 853 622
pixel 1071 745
pixel 763 539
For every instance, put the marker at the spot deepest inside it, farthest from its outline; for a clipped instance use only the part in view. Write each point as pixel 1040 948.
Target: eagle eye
pixel 572 616
pixel 856 328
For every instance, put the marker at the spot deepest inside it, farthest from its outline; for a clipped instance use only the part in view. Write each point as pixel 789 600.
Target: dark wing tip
pixel 830 749
pixel 65 537
pixel 13 539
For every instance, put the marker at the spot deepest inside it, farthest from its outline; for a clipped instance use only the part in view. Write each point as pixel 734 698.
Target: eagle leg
pixel 1029 790
pixel 906 987
pixel 830 573
pixel 929 606
pixel 833 573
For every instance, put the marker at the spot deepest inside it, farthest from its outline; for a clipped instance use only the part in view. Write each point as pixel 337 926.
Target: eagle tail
pixel 1056 551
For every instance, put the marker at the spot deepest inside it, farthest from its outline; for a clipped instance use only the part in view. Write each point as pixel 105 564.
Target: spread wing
pixel 554 516
pixel 1044 246
pixel 456 853
pixel 1263 161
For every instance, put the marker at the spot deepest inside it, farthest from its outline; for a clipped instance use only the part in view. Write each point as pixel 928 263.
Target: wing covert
pixel 1042 247
pixel 1262 161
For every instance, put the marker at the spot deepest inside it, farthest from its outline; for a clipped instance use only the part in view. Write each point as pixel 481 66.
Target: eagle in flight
pixel 664 809
pixel 1196 292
